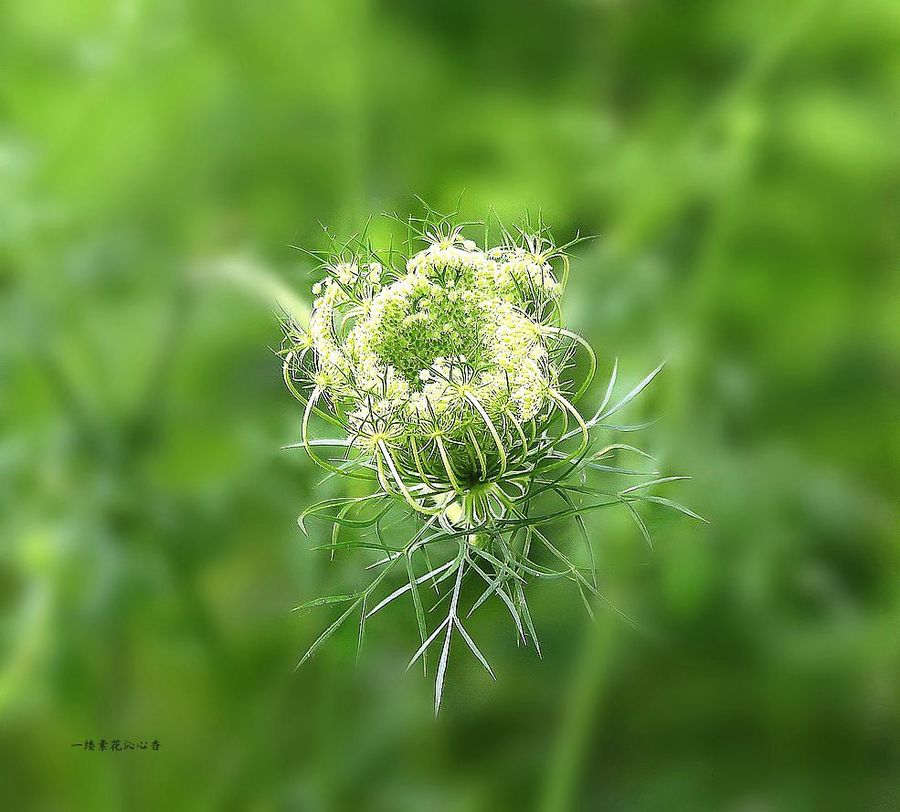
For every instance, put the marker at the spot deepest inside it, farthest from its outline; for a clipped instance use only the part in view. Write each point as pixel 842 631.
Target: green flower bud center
pixel 412 333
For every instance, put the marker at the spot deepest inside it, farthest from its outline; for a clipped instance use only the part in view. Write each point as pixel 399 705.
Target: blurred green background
pixel 738 162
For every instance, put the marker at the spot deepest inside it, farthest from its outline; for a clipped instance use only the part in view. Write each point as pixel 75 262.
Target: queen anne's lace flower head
pixel 450 352
pixel 452 379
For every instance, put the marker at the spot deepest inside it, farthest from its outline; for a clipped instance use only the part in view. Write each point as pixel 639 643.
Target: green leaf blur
pixel 738 162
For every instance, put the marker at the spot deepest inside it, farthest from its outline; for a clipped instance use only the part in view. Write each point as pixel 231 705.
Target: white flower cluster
pixel 453 347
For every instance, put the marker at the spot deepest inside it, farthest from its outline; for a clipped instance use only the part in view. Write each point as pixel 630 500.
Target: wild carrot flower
pixel 449 373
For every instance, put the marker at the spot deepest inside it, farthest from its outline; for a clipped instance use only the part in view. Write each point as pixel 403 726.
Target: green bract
pixel 451 376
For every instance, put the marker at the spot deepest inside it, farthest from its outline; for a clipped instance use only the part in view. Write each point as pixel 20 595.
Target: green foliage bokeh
pixel 738 164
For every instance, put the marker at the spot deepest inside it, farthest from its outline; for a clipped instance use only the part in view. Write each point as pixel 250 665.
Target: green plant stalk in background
pixel 453 380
